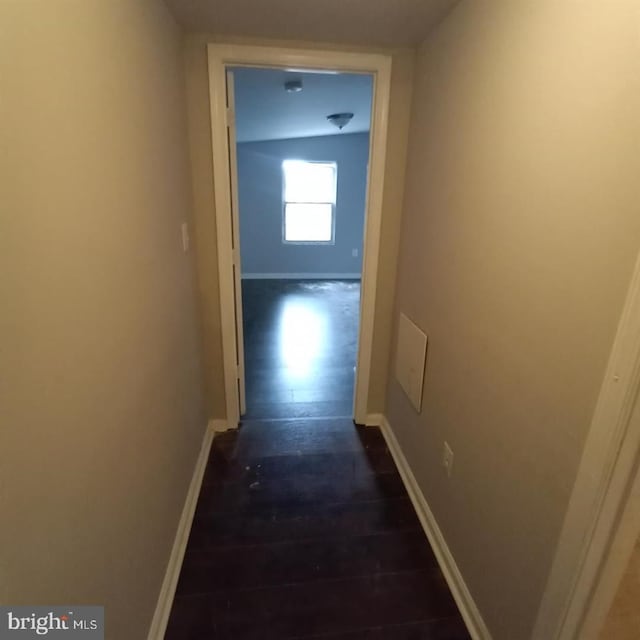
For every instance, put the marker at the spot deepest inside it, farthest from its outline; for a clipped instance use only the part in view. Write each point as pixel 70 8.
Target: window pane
pixel 308 222
pixel 309 181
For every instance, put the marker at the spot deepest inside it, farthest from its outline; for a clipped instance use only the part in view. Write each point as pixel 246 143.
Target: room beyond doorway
pixel 300 347
pixel 221 59
pixel 300 210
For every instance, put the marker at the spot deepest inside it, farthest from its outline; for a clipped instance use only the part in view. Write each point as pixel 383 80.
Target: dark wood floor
pixel 303 527
pixel 301 339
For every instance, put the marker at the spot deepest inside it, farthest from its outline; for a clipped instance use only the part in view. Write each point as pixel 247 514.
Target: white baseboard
pixel 374 420
pixel 301 276
pixel 470 612
pixel 170 582
pixel 218 426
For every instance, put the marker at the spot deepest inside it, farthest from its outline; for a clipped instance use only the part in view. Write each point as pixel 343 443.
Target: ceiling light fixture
pixel 293 86
pixel 340 120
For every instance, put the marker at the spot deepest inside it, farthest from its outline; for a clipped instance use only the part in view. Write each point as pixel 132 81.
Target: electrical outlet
pixel 447 459
pixel 354 253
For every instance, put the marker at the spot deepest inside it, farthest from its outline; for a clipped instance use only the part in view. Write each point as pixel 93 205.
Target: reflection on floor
pixel 300 347
pixel 303 527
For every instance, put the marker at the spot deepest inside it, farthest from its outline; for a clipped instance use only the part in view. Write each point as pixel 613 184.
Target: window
pixel 309 201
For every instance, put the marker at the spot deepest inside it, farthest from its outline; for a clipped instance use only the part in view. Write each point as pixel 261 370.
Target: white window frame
pixel 333 203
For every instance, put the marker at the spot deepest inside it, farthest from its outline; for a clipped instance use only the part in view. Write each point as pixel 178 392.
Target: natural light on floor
pixel 302 335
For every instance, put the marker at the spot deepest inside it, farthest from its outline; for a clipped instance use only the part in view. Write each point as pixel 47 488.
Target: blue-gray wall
pixel 260 196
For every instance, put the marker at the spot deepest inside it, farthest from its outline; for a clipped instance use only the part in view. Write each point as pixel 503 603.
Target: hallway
pixel 499 162
pixel 303 527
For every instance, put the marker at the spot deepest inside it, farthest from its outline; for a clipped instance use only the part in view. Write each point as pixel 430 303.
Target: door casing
pixel 221 56
pixel 575 599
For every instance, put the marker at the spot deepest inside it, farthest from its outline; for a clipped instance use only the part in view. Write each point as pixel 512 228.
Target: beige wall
pixel 520 231
pixel 100 384
pixel 204 208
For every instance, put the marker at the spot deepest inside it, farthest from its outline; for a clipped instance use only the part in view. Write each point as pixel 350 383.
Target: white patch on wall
pixel 411 355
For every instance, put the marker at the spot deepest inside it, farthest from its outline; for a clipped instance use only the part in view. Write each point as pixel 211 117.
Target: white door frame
pixel 603 490
pixel 235 226
pixel 616 561
pixel 221 56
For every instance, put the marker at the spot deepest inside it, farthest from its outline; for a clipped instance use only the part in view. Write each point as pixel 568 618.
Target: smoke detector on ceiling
pixel 340 120
pixel 293 86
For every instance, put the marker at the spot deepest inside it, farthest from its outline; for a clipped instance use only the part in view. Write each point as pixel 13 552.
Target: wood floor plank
pixel 442 629
pixel 335 606
pixel 223 467
pixel 264 565
pixel 302 522
pixel 262 410
pixel 309 487
pixel 259 439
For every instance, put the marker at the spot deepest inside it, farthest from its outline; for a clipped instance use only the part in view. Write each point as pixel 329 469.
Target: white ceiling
pixel 369 22
pixel 265 111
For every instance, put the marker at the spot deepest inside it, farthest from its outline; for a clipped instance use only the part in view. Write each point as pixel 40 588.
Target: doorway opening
pixel 301 157
pixel 309 191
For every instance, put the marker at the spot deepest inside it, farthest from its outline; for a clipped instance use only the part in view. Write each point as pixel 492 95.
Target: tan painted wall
pixel 204 207
pixel 520 230
pixel 100 382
